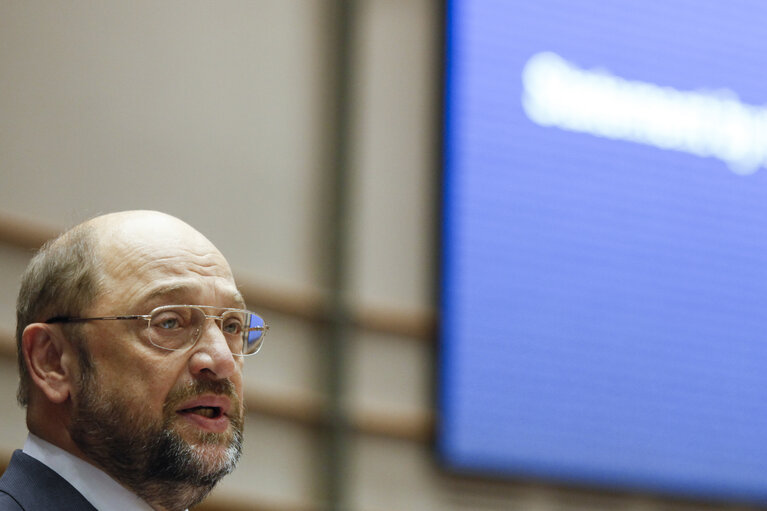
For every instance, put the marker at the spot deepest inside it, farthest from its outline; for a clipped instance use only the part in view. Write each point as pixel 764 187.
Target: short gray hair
pixel 62 279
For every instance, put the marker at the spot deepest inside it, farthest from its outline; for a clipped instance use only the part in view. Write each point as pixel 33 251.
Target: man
pixel 131 335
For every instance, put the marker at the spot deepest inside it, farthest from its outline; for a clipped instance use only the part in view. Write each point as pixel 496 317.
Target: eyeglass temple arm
pixel 67 319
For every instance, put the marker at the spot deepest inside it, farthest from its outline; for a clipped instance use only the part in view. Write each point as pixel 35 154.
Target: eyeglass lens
pixel 177 327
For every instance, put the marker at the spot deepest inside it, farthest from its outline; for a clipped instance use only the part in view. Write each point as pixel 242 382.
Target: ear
pixel 49 357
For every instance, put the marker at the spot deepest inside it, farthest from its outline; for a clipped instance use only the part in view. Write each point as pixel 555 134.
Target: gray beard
pixel 147 456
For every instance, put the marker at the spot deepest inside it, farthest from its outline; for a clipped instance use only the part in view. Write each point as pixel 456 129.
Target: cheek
pixel 140 384
pixel 238 381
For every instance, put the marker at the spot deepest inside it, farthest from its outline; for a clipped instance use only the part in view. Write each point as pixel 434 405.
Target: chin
pixel 205 440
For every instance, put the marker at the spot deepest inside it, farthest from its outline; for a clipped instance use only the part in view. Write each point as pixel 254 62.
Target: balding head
pixel 139 250
pixel 71 271
pixel 142 226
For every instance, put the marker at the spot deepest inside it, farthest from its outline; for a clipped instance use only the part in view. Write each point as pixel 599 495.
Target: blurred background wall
pixel 302 137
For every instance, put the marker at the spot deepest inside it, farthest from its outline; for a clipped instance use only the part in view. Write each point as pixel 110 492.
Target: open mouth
pixel 207 412
pixel 210 412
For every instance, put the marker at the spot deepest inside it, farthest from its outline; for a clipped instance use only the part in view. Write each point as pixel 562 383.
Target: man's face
pixel 157 419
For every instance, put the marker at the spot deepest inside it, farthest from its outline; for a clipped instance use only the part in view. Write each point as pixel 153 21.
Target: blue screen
pixel 604 286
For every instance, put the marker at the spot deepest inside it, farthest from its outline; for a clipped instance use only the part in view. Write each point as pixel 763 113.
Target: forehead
pixel 162 263
pixel 190 292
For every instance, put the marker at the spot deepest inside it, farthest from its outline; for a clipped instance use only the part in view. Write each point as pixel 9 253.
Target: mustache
pixel 196 388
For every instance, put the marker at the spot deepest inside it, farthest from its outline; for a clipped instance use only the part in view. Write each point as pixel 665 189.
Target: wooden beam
pixel 23 232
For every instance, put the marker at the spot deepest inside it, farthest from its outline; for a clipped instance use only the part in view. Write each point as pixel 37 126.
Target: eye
pixel 232 325
pixel 168 320
pixel 167 323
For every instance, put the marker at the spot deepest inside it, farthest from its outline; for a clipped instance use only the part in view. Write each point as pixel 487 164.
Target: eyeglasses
pixel 179 327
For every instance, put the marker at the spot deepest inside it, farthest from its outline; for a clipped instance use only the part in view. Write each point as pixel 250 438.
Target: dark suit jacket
pixel 28 485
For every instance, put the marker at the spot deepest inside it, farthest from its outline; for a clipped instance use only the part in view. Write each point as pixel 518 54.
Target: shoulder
pixel 15 482
pixel 29 484
pixel 21 473
pixel 8 503
pixel 8 485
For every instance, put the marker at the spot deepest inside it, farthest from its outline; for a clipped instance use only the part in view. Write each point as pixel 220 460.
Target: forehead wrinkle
pixel 185 289
pixel 211 263
pixel 145 273
pixel 144 268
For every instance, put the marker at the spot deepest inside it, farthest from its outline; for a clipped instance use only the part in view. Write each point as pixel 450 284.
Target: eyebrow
pixel 170 290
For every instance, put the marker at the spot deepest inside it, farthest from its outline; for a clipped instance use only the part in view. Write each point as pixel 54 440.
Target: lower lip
pixel 217 425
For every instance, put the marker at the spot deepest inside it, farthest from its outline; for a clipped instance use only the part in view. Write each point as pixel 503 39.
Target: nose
pixel 211 356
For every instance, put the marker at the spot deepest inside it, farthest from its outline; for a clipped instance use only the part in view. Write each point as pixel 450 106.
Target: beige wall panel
pixel 13 261
pixel 13 427
pixel 278 465
pixel 389 373
pixel 396 84
pixel 483 496
pixel 287 364
pixel 394 475
pixel 212 111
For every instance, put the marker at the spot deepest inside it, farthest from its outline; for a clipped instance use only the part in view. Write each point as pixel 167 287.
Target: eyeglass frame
pixel 148 317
